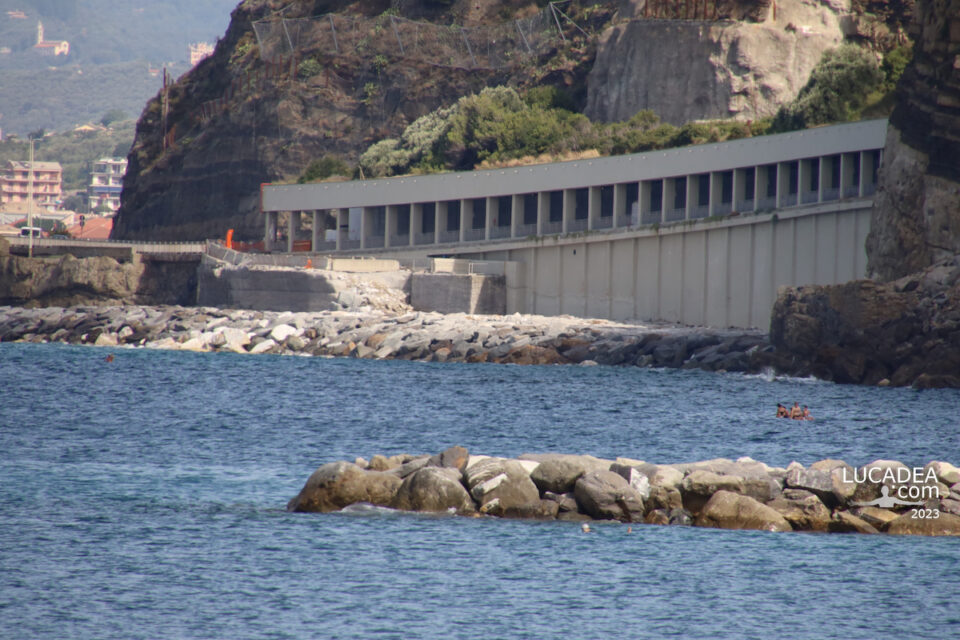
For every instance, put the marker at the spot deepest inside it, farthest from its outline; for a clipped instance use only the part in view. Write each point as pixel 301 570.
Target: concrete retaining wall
pixel 719 274
pixel 453 293
pixel 271 290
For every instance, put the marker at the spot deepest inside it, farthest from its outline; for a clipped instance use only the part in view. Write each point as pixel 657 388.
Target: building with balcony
pixel 15 185
pixel 106 183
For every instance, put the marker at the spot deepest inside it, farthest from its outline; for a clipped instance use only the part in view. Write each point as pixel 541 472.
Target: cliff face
pixel 745 66
pixel 65 281
pixel 237 120
pixel 905 331
pixel 916 217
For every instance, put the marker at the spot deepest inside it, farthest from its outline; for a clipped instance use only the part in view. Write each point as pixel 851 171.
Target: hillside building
pixel 50 47
pixel 15 185
pixel 106 183
pixel 199 51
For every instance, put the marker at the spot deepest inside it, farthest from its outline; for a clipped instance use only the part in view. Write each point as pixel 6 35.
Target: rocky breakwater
pixel 829 496
pixel 362 331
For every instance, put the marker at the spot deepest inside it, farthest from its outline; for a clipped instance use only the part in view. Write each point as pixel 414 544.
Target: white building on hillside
pixel 106 183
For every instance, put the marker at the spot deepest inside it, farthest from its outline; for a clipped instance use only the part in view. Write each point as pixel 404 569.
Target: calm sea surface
pixel 144 498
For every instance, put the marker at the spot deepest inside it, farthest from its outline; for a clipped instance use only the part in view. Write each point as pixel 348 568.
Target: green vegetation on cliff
pixel 498 125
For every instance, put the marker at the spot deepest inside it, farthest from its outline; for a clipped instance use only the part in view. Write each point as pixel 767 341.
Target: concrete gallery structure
pixel 700 235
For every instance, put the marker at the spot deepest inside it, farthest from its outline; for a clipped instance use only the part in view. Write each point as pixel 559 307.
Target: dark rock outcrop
pixel 906 332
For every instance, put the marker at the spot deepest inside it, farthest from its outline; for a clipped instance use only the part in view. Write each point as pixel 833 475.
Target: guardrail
pixel 139 246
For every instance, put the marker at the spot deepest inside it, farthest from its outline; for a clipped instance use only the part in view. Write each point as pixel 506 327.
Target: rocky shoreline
pixel 829 496
pixel 376 333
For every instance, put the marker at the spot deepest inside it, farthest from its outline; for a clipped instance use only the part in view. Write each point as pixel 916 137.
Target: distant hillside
pixel 113 43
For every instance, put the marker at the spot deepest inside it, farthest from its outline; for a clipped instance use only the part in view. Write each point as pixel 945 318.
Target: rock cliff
pixel 747 64
pixel 916 217
pixel 905 330
pixel 68 281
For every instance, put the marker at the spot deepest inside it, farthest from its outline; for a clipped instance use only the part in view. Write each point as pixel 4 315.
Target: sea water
pixel 144 498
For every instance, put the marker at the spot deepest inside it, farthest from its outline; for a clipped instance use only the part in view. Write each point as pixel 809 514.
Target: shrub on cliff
pixel 837 90
pixel 324 168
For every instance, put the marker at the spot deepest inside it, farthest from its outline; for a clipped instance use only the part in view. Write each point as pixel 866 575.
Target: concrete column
pixel 491 214
pixel 416 221
pixel 439 220
pixel 594 203
pixel 293 226
pixel 317 231
pixel 619 202
pixel 543 210
pixel 716 192
pixel 803 171
pixel 756 188
pixel 569 208
pixel 466 218
pixel 389 223
pixel 644 190
pixel 516 213
pixel 269 230
pixel 343 226
pixel 846 173
pixel 783 182
pixel 692 193
pixel 865 161
pixel 824 178
pixel 366 224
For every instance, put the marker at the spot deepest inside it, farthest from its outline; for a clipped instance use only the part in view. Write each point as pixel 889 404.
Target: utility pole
pixel 30 203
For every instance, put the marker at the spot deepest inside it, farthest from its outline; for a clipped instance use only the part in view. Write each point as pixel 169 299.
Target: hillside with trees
pixel 114 45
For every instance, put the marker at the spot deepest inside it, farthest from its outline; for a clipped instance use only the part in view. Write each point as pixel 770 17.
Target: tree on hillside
pixel 114 115
pixel 837 89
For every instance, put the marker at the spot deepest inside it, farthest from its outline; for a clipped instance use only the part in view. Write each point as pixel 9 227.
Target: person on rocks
pixel 782 411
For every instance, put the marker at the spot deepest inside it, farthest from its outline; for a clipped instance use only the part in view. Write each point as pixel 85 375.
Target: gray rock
pixel 433 489
pixel 947 524
pixel 559 473
pixel 565 501
pixel 607 495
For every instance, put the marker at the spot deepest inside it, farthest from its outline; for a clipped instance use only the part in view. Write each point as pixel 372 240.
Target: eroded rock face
pixel 730 69
pixel 905 332
pixel 916 216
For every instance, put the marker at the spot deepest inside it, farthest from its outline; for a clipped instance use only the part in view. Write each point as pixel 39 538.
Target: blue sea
pixel 145 498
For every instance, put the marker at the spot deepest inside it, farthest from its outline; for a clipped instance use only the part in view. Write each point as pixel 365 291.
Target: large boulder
pixel 729 510
pixel 502 487
pixel 454 458
pixel 846 522
pixel 806 513
pixel 606 495
pixel 946 524
pixel 436 489
pixel 338 484
pixel 559 473
pixel 833 486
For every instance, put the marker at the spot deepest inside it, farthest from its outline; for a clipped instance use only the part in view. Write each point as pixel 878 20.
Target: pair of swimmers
pixel 795 412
